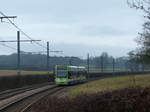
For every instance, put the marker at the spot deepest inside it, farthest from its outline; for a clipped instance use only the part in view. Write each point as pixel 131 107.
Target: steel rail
pixel 9 93
pixel 4 104
pixel 40 98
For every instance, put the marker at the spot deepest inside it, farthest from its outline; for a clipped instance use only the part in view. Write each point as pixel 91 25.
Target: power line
pixel 21 30
pixel 20 41
pixel 13 48
pixel 10 41
pixel 2 44
pixel 44 52
pixel 8 47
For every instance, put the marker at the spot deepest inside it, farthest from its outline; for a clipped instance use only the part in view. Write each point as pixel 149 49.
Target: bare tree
pixel 143 5
pixel 144 38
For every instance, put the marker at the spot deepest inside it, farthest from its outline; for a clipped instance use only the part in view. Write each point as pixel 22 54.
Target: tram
pixel 69 75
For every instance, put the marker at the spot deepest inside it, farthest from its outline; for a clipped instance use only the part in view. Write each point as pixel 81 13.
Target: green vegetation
pixel 109 84
pixel 14 72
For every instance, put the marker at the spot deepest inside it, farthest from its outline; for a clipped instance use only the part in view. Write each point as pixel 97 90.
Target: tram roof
pixel 79 67
pixel 82 67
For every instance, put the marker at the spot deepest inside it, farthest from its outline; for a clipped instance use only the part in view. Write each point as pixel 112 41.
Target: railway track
pixel 22 100
pixel 53 92
pixel 12 92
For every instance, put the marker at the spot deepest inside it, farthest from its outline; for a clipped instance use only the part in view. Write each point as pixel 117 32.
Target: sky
pixel 76 27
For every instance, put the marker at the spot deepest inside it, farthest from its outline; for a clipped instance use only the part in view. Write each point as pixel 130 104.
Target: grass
pixel 110 84
pixel 107 70
pixel 14 72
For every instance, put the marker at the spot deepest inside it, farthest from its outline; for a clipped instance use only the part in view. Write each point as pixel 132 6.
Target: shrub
pixel 125 100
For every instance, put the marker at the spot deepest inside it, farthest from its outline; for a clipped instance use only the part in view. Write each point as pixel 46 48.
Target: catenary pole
pixel 88 64
pixel 113 65
pixel 18 52
pixel 48 57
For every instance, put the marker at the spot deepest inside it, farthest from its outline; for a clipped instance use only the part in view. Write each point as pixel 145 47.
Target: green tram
pixel 69 75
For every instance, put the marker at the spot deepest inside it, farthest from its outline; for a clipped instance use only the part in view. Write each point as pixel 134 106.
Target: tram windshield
pixel 61 73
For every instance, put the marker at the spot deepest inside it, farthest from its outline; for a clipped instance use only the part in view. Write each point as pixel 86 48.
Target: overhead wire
pixel 21 30
pixel 3 44
pixel 8 47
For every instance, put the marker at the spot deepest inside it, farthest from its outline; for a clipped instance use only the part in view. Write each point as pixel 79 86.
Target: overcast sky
pixel 74 26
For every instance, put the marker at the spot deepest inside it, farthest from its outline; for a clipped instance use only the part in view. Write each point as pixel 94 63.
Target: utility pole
pixel 18 52
pixel 113 65
pixel 88 64
pixel 102 64
pixel 18 48
pixel 48 57
pixel 45 52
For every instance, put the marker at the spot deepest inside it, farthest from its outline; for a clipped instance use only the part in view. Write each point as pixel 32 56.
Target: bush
pixel 125 100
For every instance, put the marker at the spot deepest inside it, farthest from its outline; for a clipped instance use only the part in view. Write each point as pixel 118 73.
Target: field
pixel 14 72
pixel 109 70
pixel 110 84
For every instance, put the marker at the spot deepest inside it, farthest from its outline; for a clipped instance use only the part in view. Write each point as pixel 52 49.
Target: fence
pixel 116 65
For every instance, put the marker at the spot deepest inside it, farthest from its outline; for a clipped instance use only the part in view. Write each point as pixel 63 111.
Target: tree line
pixel 31 61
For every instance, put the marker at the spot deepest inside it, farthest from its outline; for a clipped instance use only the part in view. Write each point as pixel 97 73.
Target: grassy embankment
pixel 110 84
pixel 118 94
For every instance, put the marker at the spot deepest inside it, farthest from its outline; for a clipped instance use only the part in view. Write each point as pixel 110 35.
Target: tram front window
pixel 61 73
